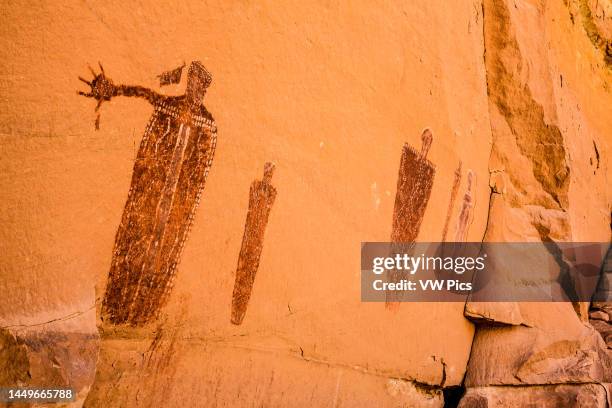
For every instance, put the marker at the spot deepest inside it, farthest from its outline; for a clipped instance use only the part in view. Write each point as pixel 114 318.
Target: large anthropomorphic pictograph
pixel 169 174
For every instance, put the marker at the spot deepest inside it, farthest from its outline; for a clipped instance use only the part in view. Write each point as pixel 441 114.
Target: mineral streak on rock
pixel 414 183
pixel 540 142
pixel 451 203
pixel 261 199
pixel 467 209
pixel 171 167
pixel 596 24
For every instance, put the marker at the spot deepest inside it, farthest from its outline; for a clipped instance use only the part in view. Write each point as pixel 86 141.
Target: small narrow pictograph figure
pixel 451 203
pixel 467 209
pixel 414 184
pixel 261 199
pixel 170 171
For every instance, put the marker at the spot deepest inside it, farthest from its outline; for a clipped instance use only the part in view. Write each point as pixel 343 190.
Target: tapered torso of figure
pixel 175 156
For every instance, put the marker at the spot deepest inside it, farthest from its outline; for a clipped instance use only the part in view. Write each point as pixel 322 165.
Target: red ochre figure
pixel 170 171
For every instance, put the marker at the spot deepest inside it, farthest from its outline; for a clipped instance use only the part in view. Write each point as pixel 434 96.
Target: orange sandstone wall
pixel 329 93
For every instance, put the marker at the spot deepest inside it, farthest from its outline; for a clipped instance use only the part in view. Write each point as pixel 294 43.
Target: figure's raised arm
pixel 103 89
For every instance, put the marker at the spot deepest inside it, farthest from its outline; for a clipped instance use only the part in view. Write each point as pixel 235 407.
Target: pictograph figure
pixel 414 183
pixel 467 209
pixel 451 203
pixel 415 179
pixel 170 171
pixel 261 199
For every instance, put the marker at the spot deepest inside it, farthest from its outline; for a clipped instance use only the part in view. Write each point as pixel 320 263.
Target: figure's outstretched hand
pixel 102 89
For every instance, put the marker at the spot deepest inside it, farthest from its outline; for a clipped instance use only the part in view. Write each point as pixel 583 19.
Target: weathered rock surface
pixel 540 118
pixel 538 356
pixel 237 374
pixel 550 396
pixel 605 329
pixel 516 95
pixel 599 315
pixel 44 357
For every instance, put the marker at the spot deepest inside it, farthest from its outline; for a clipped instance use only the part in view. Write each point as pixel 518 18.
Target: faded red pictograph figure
pixel 261 198
pixel 466 213
pixel 451 203
pixel 168 178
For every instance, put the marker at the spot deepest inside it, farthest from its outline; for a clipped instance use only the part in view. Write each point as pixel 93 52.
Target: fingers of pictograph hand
pixel 86 81
pixel 92 71
pixel 101 67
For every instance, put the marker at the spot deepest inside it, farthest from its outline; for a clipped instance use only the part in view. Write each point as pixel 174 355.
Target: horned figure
pixel 170 171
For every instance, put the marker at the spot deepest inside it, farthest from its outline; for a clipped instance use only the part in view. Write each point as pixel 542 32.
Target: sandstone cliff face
pixel 516 95
pixel 545 165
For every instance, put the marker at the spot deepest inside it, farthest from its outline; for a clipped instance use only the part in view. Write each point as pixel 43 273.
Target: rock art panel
pixel 547 114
